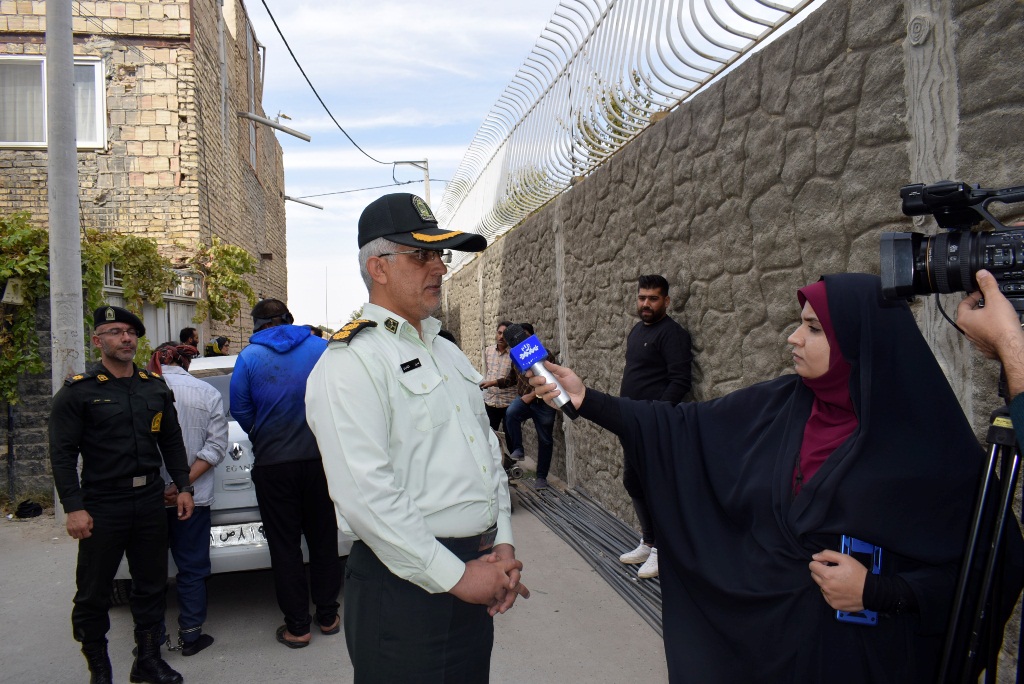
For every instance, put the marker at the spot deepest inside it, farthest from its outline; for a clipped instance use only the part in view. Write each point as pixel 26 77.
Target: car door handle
pixel 231 485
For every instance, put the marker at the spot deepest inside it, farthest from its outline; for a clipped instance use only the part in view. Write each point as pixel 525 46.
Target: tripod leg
pixel 974 586
pixel 955 647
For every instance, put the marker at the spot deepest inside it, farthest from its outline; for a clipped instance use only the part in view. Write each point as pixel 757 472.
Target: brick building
pixel 162 150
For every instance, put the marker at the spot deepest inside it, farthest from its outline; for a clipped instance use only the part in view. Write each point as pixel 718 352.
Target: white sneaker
pixel 637 555
pixel 650 567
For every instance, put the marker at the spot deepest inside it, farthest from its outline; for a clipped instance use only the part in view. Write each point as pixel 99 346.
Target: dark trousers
pixel 495 415
pixel 398 632
pixel 294 502
pixel 190 547
pixel 128 522
pixel 543 421
pixel 635 489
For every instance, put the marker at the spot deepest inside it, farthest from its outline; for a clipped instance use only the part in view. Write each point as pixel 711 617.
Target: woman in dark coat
pixel 752 492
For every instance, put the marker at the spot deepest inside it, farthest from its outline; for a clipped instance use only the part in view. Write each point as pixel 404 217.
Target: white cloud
pixel 350 158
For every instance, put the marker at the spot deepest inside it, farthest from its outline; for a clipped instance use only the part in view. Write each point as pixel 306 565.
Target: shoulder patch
pixel 78 377
pixel 351 329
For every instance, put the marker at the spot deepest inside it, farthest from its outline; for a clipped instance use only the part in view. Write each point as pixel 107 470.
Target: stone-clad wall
pixel 787 168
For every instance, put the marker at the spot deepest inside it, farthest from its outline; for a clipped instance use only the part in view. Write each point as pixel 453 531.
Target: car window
pixel 222 383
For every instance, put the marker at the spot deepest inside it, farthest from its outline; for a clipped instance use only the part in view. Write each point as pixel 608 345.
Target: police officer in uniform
pixel 121 418
pixel 412 464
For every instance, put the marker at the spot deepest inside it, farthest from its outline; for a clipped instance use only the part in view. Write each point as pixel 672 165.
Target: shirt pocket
pixel 103 410
pixel 471 378
pixel 426 400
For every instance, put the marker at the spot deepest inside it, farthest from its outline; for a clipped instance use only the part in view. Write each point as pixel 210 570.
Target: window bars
pixel 600 71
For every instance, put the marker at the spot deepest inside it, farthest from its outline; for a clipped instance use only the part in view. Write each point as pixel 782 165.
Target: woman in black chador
pixel 752 492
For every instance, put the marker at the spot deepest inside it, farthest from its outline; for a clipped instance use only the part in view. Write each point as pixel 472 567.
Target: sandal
pixel 332 628
pixel 281 631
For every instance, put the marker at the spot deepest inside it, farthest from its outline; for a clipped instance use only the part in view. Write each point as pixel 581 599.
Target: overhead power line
pixel 313 88
pixel 374 187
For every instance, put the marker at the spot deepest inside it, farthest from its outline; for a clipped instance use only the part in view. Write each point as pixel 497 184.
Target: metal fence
pixel 601 72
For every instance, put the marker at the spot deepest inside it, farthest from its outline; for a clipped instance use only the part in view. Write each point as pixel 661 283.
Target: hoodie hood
pixel 281 338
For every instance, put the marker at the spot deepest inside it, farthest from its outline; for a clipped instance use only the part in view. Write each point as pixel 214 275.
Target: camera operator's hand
pixel 994 329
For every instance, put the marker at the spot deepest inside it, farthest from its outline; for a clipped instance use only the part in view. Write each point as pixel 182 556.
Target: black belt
pixel 467 548
pixel 126 482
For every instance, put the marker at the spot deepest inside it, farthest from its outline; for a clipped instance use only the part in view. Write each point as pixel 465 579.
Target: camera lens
pixel 914 263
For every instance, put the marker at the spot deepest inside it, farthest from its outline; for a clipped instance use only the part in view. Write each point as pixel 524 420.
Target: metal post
pixel 67 330
pixel 425 167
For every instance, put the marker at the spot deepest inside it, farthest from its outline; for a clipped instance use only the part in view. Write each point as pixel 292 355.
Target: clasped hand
pixel 492 581
pixel 841 579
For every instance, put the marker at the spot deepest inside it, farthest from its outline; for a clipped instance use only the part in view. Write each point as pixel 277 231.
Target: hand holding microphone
pixel 528 354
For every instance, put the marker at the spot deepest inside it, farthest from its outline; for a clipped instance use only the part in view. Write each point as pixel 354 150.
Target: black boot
pixel 95 653
pixel 149 666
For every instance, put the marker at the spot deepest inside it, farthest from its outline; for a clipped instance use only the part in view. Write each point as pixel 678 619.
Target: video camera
pixel 915 263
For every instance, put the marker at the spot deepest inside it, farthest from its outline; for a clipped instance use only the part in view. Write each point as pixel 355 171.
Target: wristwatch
pixel 187 489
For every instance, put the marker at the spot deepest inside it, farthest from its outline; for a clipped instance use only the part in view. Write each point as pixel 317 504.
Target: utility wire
pixel 322 103
pixel 374 187
pixel 345 192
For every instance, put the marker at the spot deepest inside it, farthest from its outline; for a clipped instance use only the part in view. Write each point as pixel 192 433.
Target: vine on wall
pixel 224 268
pixel 24 254
pixel 145 276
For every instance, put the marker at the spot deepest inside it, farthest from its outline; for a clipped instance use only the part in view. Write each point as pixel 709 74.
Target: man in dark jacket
pixel 268 389
pixel 658 360
pixel 122 420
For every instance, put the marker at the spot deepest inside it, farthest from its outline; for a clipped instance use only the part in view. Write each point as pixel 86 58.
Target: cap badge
pixel 422 209
pixel 110 314
pixel 391 325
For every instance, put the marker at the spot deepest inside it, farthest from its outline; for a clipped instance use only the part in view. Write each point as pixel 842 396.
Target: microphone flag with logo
pixel 527 353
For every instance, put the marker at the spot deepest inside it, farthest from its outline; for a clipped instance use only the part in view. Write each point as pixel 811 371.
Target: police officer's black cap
pixel 407 220
pixel 115 314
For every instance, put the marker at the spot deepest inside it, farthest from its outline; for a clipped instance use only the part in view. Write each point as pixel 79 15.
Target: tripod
pixel 973 622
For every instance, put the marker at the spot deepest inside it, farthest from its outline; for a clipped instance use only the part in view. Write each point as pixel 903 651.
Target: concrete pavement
pixel 574 628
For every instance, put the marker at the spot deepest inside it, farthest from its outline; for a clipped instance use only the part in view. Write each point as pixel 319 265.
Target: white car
pixel 236 535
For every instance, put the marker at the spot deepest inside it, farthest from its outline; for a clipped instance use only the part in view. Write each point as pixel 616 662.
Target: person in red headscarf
pixel 755 490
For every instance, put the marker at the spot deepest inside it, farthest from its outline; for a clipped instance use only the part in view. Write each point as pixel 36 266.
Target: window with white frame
pixel 23 102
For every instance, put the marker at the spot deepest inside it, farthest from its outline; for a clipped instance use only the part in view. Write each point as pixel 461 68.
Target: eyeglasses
pixel 117 332
pixel 425 256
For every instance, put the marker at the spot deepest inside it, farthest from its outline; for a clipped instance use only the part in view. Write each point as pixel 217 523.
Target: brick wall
pixel 176 165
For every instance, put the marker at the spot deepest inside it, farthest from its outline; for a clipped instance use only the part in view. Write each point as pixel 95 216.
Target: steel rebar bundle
pixel 599 537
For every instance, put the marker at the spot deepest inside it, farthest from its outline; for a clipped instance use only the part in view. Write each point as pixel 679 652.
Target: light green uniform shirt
pixel 407 447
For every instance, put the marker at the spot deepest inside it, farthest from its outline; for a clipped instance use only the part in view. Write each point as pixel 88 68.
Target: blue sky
pixel 408 81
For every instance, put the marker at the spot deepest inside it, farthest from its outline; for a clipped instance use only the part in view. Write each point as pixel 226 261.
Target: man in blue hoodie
pixel 268 389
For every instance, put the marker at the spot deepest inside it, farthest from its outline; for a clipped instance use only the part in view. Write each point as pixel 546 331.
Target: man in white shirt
pixel 204 428
pixel 412 465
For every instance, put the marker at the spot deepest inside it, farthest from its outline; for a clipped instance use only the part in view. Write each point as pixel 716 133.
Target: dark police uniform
pixel 121 426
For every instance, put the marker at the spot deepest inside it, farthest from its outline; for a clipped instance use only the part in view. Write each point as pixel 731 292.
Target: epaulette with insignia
pixel 77 377
pixel 351 329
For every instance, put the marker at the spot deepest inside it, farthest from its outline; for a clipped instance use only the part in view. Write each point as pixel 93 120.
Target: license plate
pixel 246 534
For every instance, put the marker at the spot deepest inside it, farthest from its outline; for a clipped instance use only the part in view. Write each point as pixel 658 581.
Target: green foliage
pixel 24 254
pixel 145 274
pixel 145 277
pixel 619 112
pixel 224 268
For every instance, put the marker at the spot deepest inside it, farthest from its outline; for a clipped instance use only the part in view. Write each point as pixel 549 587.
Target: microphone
pixel 528 353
